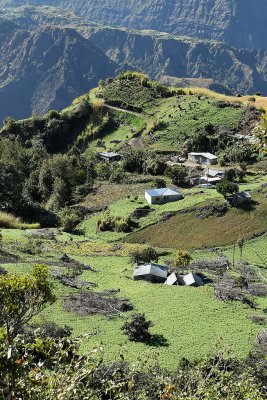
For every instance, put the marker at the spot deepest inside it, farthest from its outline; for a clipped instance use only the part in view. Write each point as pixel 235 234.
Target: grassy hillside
pixel 184 316
pixel 172 115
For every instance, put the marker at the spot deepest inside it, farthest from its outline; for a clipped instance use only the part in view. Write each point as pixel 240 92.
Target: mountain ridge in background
pixel 240 24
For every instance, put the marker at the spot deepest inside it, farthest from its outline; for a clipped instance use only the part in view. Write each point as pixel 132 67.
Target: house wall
pixel 149 278
pixel 148 198
pixel 202 160
pixel 164 199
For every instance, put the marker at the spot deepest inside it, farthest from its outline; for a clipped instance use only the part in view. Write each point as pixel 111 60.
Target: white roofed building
pixel 203 158
pixel 151 272
pixel 161 196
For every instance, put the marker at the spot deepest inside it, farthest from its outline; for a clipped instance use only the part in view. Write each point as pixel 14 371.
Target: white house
pixel 161 196
pixel 109 156
pixel 203 158
pixel 151 272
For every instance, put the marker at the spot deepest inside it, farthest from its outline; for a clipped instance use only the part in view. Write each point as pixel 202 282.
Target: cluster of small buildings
pixel 155 273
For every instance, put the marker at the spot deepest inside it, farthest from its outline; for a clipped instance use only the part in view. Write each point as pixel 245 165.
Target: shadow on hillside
pixel 157 341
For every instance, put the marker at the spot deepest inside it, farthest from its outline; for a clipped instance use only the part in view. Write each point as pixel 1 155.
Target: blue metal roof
pixel 162 192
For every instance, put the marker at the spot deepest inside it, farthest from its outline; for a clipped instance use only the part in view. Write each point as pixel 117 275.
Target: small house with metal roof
pixel 161 196
pixel 203 158
pixel 109 156
pixel 150 272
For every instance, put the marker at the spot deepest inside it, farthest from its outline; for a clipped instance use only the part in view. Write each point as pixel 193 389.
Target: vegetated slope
pixel 159 55
pixel 188 231
pixel 241 24
pixel 160 118
pixel 46 68
pixel 176 115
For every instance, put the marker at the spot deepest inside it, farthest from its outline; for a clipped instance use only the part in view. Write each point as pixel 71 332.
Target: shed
pixel 174 279
pixel 109 156
pixel 161 196
pixel 241 198
pixel 203 158
pixel 192 280
pixel 151 272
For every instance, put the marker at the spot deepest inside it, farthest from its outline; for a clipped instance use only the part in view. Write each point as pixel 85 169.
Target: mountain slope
pixel 241 24
pixel 161 55
pixel 46 68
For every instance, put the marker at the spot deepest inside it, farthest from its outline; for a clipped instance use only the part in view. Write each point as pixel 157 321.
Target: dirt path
pixel 125 111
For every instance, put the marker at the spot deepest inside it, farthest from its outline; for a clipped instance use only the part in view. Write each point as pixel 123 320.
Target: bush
pixel 53 114
pixel 114 223
pixel 144 256
pixel 226 188
pixel 9 221
pixel 159 183
pixel 69 219
pixel 138 328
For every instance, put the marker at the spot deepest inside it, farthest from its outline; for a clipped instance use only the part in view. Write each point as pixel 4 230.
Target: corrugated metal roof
pixel 206 155
pixel 192 279
pixel 151 269
pixel 162 192
pixel 109 154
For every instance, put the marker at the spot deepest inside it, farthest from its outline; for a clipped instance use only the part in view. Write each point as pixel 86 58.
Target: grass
pixel 184 116
pixel 181 115
pixel 129 125
pixel 127 206
pixel 9 221
pixel 190 319
pixel 187 232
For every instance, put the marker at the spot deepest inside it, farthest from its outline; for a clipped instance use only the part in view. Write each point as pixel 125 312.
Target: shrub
pixel 144 256
pixel 69 219
pixel 53 114
pixel 114 223
pixel 226 188
pixel 159 183
pixel 138 328
pixel 9 221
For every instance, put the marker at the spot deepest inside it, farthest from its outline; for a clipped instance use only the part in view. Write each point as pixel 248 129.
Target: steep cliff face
pixel 46 68
pixel 240 23
pixel 161 54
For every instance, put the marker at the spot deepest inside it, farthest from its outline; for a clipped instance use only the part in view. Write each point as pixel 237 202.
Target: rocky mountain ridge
pixel 46 68
pixel 240 24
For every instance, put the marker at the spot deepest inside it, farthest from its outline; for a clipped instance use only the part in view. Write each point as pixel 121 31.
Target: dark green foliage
pixel 239 153
pixel 226 188
pixel 177 174
pixel 144 256
pixel 69 219
pixel 133 91
pixel 159 183
pixel 137 329
pixel 141 161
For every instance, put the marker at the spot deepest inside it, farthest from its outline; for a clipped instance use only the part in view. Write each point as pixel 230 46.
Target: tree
pixel 182 259
pixel 159 183
pixel 177 174
pixel 144 256
pixel 21 298
pixel 240 244
pixel 138 328
pixel 226 188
